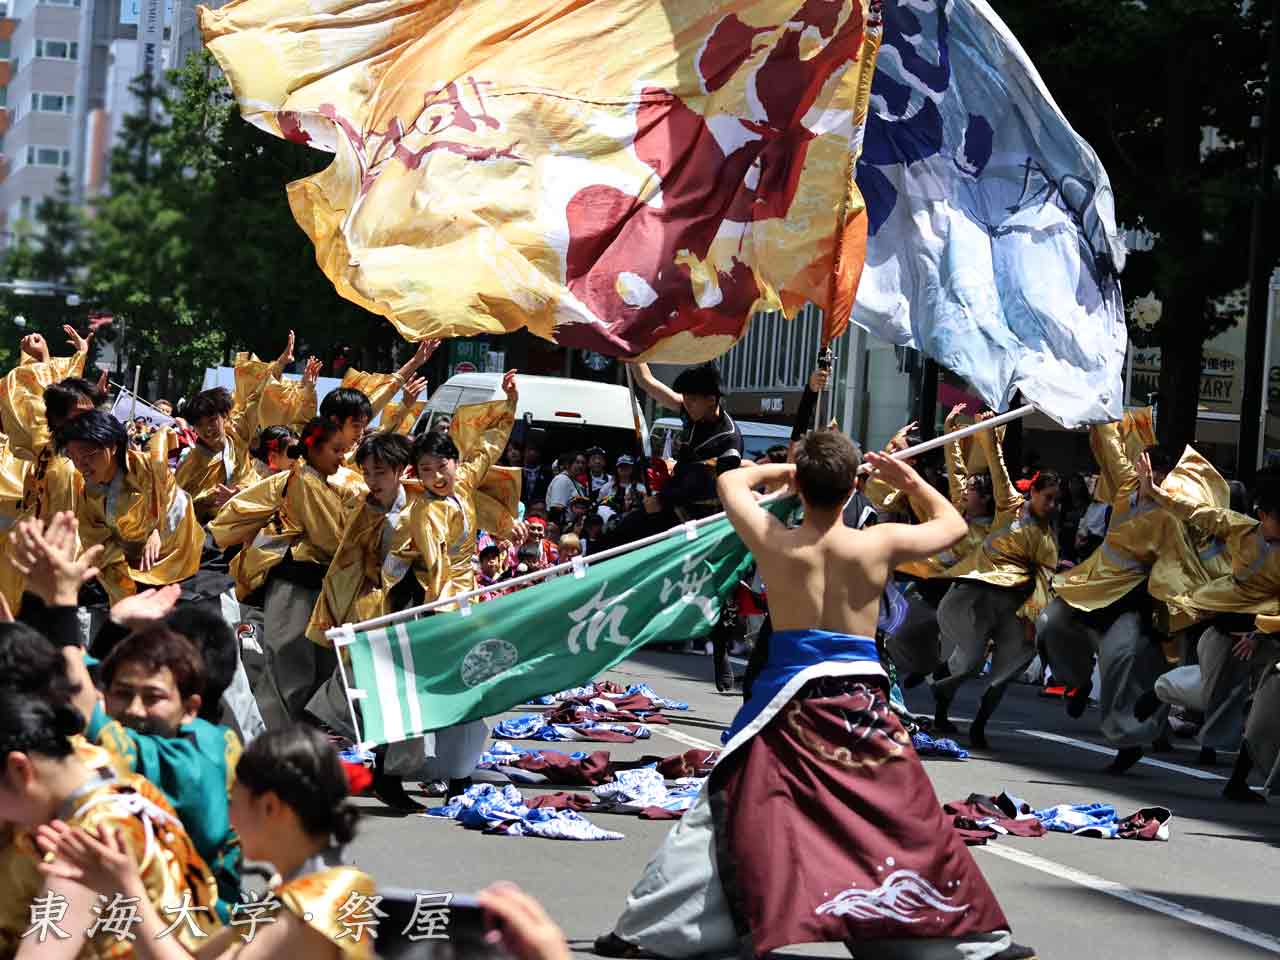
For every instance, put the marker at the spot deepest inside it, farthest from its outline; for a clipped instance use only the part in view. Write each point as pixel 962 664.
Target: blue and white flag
pixel 993 244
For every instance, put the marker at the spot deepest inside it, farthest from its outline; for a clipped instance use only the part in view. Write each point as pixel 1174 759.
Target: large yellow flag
pixel 634 177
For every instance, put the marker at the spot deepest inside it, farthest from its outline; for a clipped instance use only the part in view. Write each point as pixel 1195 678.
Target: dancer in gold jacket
pixel 1246 585
pixel 1104 606
pixel 915 646
pixel 221 464
pixel 36 398
pixel 289 807
pixel 132 507
pixel 289 526
pixel 435 548
pixel 997 585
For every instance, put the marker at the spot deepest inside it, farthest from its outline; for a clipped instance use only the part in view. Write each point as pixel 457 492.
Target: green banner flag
pixel 435 672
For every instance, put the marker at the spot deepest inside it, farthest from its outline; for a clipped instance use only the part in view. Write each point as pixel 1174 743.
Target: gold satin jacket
pixel 1144 543
pixel 298 511
pixel 1019 550
pixel 142 497
pixel 50 485
pixel 268 399
pixel 939 564
pixel 1253 583
pixel 22 416
pixel 353 589
pixel 438 541
pixel 1130 437
pixel 13 483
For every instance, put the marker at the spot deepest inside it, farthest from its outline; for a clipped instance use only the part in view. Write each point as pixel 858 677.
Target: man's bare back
pixel 822 574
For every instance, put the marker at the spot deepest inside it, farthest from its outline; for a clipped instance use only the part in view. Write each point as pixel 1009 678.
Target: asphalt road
pixel 1211 891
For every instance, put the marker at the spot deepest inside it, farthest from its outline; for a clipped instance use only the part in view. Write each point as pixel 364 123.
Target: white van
pixel 575 414
pixel 756 437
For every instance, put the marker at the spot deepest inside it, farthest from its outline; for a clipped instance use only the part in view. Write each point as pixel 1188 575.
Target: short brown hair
pixel 155 647
pixel 826 468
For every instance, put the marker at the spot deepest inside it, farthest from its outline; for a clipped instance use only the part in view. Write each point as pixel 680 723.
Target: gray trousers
pixel 1224 679
pixel 295 667
pixel 448 754
pixel 971 614
pixel 1262 731
pixel 915 646
pixel 1129 663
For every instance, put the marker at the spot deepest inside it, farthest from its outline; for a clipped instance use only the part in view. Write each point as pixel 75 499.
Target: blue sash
pixel 791 651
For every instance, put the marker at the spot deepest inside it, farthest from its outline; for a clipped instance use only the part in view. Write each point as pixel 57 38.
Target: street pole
pixel 1248 452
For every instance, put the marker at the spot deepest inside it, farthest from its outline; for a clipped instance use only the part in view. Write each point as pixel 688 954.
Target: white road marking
pixel 1109 751
pixel 664 730
pixel 1227 928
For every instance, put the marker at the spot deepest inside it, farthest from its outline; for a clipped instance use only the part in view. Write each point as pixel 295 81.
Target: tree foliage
pixel 194 246
pixel 1167 93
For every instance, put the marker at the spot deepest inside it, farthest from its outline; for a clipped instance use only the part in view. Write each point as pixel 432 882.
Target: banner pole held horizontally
pixel 688 529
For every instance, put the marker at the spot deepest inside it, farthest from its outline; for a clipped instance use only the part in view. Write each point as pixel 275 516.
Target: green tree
pixel 1167 94
pixel 195 247
pixel 58 218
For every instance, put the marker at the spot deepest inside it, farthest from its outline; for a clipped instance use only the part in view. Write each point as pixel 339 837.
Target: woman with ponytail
pixel 271 455
pixel 132 507
pixel 289 807
pixel 290 525
pixel 43 778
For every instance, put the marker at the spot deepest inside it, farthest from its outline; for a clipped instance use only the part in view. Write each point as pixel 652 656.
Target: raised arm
pixel 1008 499
pixel 488 437
pixel 1209 518
pixel 655 387
pixel 957 472
pixel 248 511
pixel 753 523
pixel 941 525
pixel 1107 443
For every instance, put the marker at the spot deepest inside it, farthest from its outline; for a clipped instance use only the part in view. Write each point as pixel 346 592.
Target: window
pixel 25 206
pixel 60 3
pixel 53 103
pixel 57 49
pixel 5 47
pixel 48 156
pixel 4 96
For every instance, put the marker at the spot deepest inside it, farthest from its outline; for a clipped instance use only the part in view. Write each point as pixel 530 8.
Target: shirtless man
pixel 819 824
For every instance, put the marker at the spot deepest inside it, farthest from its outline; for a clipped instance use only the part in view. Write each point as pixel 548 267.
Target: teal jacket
pixel 195 770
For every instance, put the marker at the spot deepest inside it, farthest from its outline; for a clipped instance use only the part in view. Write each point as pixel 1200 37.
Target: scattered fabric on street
pixel 502 810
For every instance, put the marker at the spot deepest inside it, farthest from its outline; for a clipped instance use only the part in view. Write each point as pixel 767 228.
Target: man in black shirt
pixel 710 444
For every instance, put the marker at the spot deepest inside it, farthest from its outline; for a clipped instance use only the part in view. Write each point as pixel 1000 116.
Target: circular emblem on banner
pixel 486 660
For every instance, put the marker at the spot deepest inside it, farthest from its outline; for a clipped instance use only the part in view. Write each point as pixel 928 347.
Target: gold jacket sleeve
pixel 352 588
pixel 380 388
pixel 399 417
pixel 1008 499
pixel 22 415
pixel 248 511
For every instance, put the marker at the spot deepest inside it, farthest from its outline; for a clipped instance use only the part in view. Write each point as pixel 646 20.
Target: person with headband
pixel 290 526
pixel 996 592
pixel 132 507
pixel 44 779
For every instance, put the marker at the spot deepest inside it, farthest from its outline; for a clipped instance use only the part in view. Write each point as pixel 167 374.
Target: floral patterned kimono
pixel 172 871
